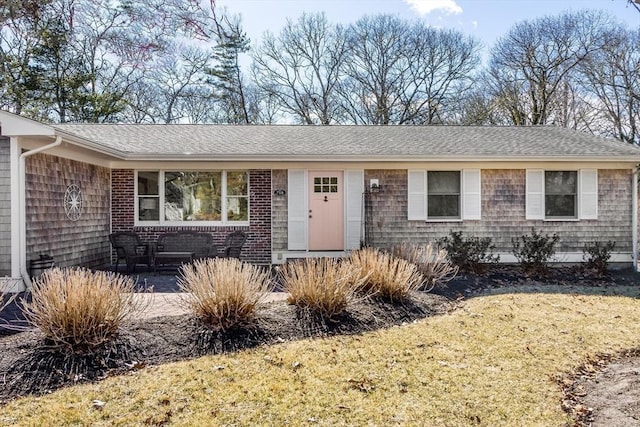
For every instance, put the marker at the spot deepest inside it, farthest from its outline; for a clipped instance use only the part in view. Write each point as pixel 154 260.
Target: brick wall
pixel 257 249
pixel 48 230
pixel 503 213
pixel 123 199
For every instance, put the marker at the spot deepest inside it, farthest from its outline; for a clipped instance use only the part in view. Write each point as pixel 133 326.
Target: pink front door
pixel 326 211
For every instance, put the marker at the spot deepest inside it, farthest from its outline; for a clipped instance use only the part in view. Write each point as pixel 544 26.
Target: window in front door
pixel 325 184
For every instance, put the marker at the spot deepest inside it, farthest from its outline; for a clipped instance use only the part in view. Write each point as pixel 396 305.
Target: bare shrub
pixel 324 286
pixel 432 263
pixel 78 309
pixel 384 275
pixel 223 292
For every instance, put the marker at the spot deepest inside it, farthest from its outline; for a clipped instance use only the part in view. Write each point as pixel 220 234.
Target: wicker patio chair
pixel 131 249
pixel 233 245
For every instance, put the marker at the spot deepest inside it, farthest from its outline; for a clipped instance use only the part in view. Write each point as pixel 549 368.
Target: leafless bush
pixel 384 275
pixel 432 263
pixel 223 292
pixel 78 310
pixel 325 286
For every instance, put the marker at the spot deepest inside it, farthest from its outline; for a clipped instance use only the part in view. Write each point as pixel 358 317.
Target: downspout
pixel 634 218
pixel 23 204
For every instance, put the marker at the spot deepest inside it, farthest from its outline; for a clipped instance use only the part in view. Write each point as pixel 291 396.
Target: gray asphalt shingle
pixel 361 142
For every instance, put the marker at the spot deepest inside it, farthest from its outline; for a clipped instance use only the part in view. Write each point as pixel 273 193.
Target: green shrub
pixel 385 276
pixel 223 292
pixel 433 264
pixel 324 286
pixel 469 254
pixel 596 256
pixel 78 310
pixel 534 251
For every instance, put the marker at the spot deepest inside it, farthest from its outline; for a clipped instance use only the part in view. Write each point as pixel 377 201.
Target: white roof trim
pixel 13 125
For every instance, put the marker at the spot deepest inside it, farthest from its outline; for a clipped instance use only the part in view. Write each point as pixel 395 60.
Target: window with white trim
pixel 203 197
pixel 444 195
pixel 562 194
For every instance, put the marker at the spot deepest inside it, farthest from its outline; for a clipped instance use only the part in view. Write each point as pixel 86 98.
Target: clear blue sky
pixel 484 19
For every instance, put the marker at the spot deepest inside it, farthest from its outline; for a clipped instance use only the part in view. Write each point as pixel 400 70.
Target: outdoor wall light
pixel 279 192
pixel 374 185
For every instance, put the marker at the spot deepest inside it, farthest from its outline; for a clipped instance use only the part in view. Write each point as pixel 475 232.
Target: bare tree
pixel 175 86
pixel 536 59
pixel 376 69
pixel 442 64
pixel 301 68
pixel 399 72
pixel 612 79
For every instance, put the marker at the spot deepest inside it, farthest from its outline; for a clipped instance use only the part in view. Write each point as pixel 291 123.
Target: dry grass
pixel 384 275
pixel 5 298
pixel 223 292
pixel 78 309
pixel 491 363
pixel 432 263
pixel 324 286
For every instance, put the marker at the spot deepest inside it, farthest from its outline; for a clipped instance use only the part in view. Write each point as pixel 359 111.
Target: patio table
pixel 163 258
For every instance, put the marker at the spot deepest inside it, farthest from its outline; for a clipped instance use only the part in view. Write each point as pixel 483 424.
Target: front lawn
pixel 494 361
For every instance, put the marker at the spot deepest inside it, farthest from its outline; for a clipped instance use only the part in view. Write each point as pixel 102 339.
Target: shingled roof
pixel 393 143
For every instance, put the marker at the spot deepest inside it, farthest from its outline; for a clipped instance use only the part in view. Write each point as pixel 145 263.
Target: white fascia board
pixel 369 159
pixel 90 145
pixel 13 125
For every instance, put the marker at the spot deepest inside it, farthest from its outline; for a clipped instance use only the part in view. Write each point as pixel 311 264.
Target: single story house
pixel 301 191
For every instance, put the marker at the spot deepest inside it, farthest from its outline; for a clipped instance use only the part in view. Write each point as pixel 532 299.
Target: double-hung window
pixel 444 195
pixel 205 197
pixel 562 194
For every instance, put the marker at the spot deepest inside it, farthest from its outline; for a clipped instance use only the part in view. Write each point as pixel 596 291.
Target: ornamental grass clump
pixel 432 263
pixel 223 292
pixel 79 310
pixel 385 276
pixel 324 286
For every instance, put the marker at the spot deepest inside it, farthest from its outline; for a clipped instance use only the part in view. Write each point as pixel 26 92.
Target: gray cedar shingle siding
pixel 71 243
pixel 279 211
pixel 5 208
pixel 503 213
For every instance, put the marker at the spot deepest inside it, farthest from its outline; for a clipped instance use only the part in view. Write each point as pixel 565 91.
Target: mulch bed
pixel 29 366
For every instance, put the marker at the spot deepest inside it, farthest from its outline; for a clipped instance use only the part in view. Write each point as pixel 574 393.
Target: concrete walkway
pixel 172 303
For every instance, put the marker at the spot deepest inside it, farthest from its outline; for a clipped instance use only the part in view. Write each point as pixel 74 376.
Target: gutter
pixel 634 217
pixel 325 157
pixel 22 204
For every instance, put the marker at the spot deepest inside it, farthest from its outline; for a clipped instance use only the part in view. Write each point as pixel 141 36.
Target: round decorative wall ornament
pixel 73 202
